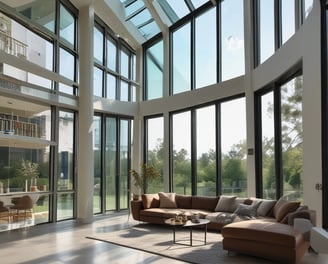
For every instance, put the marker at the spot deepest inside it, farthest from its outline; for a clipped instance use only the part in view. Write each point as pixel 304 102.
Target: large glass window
pixel 205 49
pixel 267 30
pixel 124 163
pixel 66 64
pixel 292 138
pixel 67 25
pixel 287 19
pixel 181 64
pixel 181 157
pixel 116 63
pixel 98 45
pixel 154 71
pixel 232 37
pixel 268 147
pixel 206 150
pixel 155 150
pixel 111 162
pixel 97 164
pixel 65 177
pixel 40 11
pixel 281 153
pixel 233 147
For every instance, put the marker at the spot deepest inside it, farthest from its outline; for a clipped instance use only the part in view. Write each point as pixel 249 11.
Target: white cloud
pixel 234 43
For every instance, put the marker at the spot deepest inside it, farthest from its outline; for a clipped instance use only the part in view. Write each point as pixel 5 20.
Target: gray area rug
pixel 158 239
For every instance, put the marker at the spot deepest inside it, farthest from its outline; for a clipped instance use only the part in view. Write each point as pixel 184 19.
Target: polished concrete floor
pixel 66 242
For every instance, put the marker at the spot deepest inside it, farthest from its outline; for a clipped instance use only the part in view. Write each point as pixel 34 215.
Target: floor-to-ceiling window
pixel 43 132
pixel 209 150
pixel 112 154
pixel 233 147
pixel 154 139
pixel 280 139
pixel 65 183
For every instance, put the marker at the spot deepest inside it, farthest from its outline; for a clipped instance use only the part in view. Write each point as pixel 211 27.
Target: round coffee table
pixel 190 225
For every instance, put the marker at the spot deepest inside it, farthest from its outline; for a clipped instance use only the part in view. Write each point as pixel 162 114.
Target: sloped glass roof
pixel 141 17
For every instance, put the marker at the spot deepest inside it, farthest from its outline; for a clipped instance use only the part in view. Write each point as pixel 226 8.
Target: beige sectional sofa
pixel 252 226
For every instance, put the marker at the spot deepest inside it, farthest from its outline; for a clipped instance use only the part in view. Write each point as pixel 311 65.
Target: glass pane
pixel 67 25
pixel 39 11
pixel 124 64
pixel 17 40
pixel 233 147
pixel 288 19
pixel 266 24
pixel 181 135
pixel 292 138
pixel 65 88
pixel 39 81
pixel 205 49
pixel 179 8
pixel 65 151
pixel 66 64
pixel 154 71
pixel 268 147
pixel 155 151
pixel 98 45
pixel 206 151
pixel 308 4
pixel 97 164
pixel 111 87
pixel 97 81
pixel 198 3
pixel 124 95
pixel 134 67
pixel 124 163
pixel 233 57
pixel 181 60
pixel 65 206
pixel 110 163
pixel 111 54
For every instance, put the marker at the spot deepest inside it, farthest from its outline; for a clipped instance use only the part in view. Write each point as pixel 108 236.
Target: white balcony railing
pixel 12 46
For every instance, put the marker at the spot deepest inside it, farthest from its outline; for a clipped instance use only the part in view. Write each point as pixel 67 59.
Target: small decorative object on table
pixel 195 218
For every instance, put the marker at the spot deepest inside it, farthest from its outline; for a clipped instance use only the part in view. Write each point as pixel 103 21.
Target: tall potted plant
pixel 30 171
pixel 144 177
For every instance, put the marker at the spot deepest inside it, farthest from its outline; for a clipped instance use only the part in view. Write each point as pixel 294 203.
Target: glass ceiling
pixel 142 15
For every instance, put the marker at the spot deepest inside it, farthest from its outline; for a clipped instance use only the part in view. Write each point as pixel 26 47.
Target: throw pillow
pixel 167 200
pixel 225 204
pixel 150 200
pixel 265 207
pixel 246 210
pixel 283 207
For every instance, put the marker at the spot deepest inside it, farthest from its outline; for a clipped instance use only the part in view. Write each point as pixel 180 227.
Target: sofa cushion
pixel 183 201
pixel 150 200
pixel 221 217
pixel 239 201
pixel 246 210
pixel 204 202
pixel 167 200
pixel 225 204
pixel 283 207
pixel 266 207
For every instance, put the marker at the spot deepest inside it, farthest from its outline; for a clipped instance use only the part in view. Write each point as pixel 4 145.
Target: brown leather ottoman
pixel 271 240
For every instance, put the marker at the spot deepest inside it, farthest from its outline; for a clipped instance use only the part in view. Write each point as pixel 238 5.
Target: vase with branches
pixel 144 177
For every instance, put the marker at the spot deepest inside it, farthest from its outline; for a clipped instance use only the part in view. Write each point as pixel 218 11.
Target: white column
pixel 85 129
pixel 249 55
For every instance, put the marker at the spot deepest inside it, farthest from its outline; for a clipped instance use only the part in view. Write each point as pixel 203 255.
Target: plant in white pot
pixel 144 177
